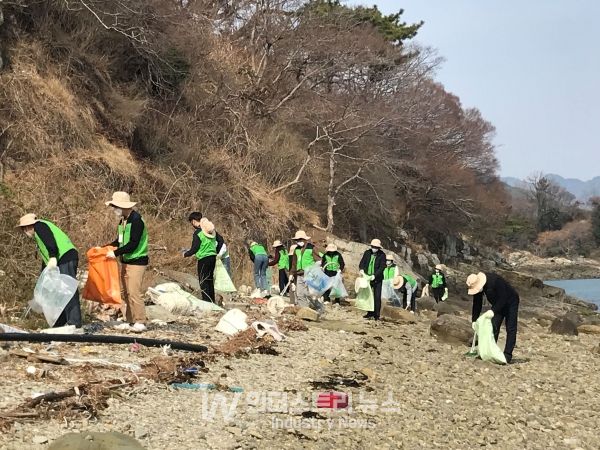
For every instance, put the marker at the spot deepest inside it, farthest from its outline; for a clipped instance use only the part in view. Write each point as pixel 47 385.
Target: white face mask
pixel 118 211
pixel 28 234
pixel 389 263
pixel 374 249
pixel 300 243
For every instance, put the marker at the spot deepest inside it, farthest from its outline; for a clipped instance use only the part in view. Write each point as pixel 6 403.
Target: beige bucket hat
pixel 331 248
pixel 439 267
pixel 27 220
pixel 208 228
pixel 376 243
pixel 121 200
pixel 389 258
pixel 277 244
pixel 476 283
pixel 398 282
pixel 300 235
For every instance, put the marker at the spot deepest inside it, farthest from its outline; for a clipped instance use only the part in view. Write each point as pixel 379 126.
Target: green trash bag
pixel 222 281
pixel 487 349
pixel 364 299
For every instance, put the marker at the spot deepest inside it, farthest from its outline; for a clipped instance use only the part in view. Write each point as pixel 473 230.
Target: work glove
pixel 339 271
pixel 319 263
pixel 52 263
pixel 362 273
pixel 371 277
pixel 183 250
pixel 291 277
pixel 111 255
pixel 489 314
pixel 97 248
pixel 473 325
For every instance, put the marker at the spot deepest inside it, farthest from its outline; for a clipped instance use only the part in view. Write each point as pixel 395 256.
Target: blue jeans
pixel 260 271
pixel 227 263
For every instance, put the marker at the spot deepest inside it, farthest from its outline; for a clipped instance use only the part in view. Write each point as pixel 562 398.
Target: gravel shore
pixel 550 399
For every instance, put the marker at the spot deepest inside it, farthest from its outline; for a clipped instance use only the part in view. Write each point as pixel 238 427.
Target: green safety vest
pixel 410 279
pixel 371 268
pixel 304 259
pixel 284 259
pixel 389 272
pixel 208 246
pixel 332 263
pixel 258 250
pixel 142 249
pixel 436 280
pixel 62 242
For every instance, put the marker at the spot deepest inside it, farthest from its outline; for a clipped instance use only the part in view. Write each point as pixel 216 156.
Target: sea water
pixel 588 289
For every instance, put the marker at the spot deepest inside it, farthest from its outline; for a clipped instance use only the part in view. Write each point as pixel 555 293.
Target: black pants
pixel 283 281
pixel 71 315
pixel 413 300
pixel 206 277
pixel 438 293
pixel 376 286
pixel 510 315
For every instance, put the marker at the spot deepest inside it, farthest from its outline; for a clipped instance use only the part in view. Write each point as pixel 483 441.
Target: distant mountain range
pixel 582 190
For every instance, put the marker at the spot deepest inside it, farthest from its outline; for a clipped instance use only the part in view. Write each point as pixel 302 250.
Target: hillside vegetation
pixel 264 115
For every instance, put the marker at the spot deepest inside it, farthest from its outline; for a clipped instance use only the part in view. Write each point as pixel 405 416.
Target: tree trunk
pixel 330 193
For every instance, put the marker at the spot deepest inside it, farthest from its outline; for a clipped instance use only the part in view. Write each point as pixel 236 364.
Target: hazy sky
pixel 533 69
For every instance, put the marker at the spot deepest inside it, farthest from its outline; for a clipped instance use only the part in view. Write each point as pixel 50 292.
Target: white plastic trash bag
pixel 177 301
pixel 388 292
pixel 221 279
pixel 338 290
pixel 52 292
pixel 487 349
pixel 232 322
pixel 316 280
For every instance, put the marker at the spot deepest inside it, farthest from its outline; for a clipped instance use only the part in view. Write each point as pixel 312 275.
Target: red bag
pixel 103 278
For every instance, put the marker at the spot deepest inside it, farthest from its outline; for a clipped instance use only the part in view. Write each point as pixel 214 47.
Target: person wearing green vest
pixel 206 245
pixel 391 275
pixel 56 251
pixel 303 255
pixel 332 263
pixel 408 289
pixel 132 249
pixel 282 261
pixel 258 255
pixel 372 264
pixel 437 281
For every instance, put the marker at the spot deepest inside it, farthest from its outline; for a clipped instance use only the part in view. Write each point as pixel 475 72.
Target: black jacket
pixel 443 286
pixel 499 293
pixel 45 234
pixel 329 272
pixel 196 243
pixel 380 264
pixel 137 228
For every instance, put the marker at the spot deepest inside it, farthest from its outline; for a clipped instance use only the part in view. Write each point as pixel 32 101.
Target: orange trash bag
pixel 102 284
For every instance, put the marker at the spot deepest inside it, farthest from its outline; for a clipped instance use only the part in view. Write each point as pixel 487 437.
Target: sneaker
pixel 368 315
pixel 412 312
pixel 139 327
pixel 123 327
pixel 327 303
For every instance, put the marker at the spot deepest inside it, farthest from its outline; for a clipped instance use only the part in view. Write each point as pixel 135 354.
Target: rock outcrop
pixel 562 325
pixel 452 329
pixel 554 268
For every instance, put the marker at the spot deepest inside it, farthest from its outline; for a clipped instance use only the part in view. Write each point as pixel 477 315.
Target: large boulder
pixel 425 303
pixel 574 317
pixel 452 329
pixel 563 325
pixel 95 441
pixel 398 314
pixel 589 329
pixel 445 308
